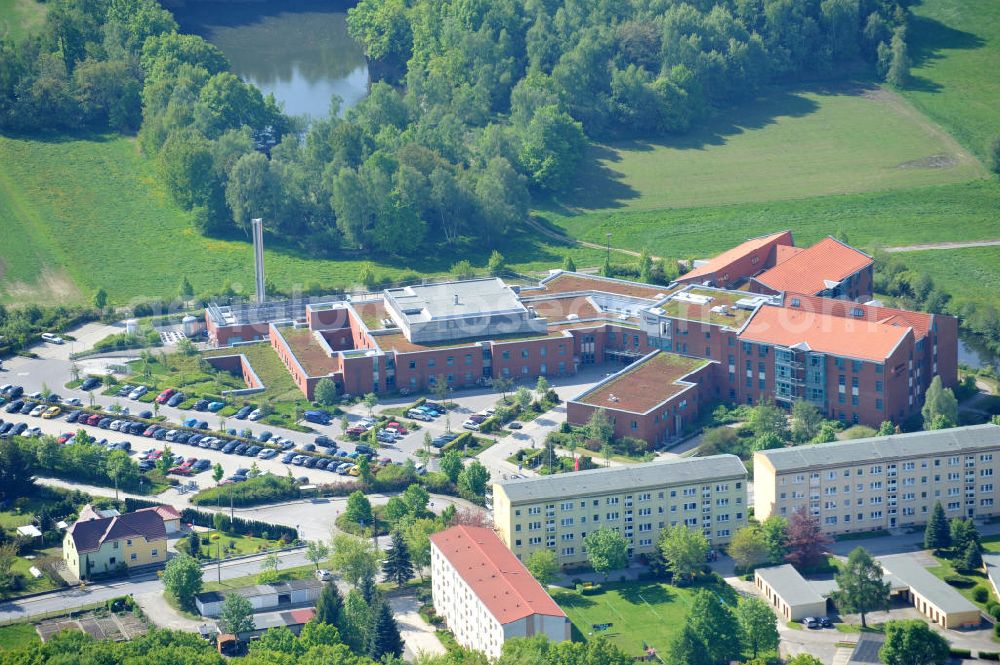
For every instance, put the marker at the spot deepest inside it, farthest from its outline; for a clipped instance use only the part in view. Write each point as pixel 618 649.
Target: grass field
pixel 963 211
pixel 20 17
pixel 83 214
pixel 18 635
pixel 641 612
pixel 955 46
pixel 786 145
pixel 970 274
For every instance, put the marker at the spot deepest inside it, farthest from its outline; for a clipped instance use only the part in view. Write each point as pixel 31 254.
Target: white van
pixel 55 339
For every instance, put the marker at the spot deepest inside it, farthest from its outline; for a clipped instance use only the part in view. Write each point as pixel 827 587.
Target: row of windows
pixel 628 499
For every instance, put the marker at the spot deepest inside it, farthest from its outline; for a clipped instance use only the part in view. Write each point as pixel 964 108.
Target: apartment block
pixel 486 595
pixel 883 482
pixel 639 501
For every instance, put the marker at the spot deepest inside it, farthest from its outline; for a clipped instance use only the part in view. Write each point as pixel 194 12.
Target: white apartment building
pixel 638 500
pixel 486 595
pixel 883 482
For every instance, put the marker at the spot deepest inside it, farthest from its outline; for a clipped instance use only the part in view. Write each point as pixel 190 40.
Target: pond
pixel 297 49
pixel 973 352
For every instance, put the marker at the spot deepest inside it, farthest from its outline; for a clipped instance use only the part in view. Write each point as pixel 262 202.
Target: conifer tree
pixel 384 638
pixel 398 567
pixel 937 534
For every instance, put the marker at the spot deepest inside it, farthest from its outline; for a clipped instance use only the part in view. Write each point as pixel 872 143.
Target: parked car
pixel 811 622
pixel 72 416
pixel 418 415
pixel 310 462
pixel 343 467
pixel 324 440
pixel 215 407
pixel 255 415
pixel 515 425
pixel 146 414
pixel 176 399
pixel 825 622
pixel 362 449
pixel 356 431
pixel 471 425
pixel 92 383
pixel 38 410
pixel 200 405
pixel 318 417
pixel 267 453
pixel 253 451
pixel 55 339
pixel 287 458
pixel 165 395
pixel 138 392
pixel 240 448
pixel 309 447
pixel 243 413
pixel 14 406
pixel 201 465
pixel 73 401
pixel 324 575
pixel 52 412
pixel 264 436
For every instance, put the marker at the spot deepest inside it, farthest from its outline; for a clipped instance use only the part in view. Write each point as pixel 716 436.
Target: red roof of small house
pixel 494 574
pixel 164 511
pixel 816 268
pixel 730 256
pixel 839 336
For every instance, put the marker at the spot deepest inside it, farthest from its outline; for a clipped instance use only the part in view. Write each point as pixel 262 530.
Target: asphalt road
pixel 95 593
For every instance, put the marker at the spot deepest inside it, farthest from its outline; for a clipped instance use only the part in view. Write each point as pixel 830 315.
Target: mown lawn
pixel 641 612
pixel 284 575
pixel 80 214
pixel 788 144
pixel 955 47
pixel 19 18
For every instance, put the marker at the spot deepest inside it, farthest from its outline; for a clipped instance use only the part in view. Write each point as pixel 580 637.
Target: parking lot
pixel 52 370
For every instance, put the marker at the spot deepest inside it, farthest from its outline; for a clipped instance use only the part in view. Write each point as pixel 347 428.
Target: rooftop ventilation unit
pixel 750 303
pixel 693 298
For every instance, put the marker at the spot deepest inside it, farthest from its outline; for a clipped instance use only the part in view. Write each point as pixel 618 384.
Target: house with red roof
pixel 735 265
pixel 486 595
pixel 95 546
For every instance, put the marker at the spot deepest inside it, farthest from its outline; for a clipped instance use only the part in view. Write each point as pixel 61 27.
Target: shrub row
pixel 236 525
pixel 459 442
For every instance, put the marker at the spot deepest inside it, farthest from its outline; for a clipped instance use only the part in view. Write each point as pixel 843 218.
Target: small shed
pixel 789 593
pixel 29 531
pixel 264 597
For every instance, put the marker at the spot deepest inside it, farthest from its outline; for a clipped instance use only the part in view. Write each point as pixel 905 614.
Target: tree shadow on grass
pixel 654 594
pixel 599 186
pixel 574 600
pixel 929 39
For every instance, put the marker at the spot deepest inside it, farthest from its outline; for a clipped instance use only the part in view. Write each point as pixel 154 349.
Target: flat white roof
pixel 455 300
pixel 790 585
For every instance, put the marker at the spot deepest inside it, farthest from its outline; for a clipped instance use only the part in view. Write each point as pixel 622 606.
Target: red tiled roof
pixel 850 338
pixel 786 252
pixel 729 256
pixel 89 535
pixel 304 615
pixel 164 511
pixel 809 270
pixel 921 322
pixel 494 574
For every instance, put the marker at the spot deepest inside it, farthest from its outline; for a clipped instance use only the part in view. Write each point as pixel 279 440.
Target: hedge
pixel 458 442
pixel 251 492
pixel 236 525
pixel 960 653
pixel 959 581
pixel 989 655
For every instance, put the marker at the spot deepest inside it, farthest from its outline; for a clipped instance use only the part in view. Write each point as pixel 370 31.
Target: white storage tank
pixel 191 326
pixel 131 327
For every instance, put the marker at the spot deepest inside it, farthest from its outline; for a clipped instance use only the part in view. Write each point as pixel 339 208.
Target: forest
pixel 484 108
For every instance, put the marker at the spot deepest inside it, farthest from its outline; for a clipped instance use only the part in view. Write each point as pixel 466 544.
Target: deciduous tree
pixel 861 588
pixel 912 643
pixel 607 550
pixel 236 615
pixel 749 547
pixel 543 566
pixel 758 626
pixel 715 626
pixel 806 540
pixel 182 579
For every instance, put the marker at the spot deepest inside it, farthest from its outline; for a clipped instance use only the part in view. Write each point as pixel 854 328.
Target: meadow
pixel 955 212
pixel 969 274
pixel 641 613
pixel 955 48
pixel 19 18
pixel 82 214
pixel 787 144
